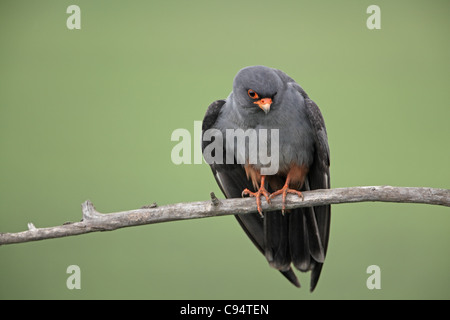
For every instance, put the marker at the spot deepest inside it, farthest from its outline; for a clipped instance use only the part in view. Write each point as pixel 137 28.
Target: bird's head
pixel 255 88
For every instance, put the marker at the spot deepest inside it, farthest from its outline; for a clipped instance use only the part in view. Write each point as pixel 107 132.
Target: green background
pixel 88 114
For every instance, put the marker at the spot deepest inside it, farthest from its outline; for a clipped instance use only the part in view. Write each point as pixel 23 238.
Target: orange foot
pixel 284 191
pixel 257 195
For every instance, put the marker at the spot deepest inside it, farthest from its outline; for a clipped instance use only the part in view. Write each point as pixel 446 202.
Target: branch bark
pixel 94 221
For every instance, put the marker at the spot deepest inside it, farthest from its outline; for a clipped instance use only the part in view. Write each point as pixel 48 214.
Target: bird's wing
pixel 232 180
pixel 318 176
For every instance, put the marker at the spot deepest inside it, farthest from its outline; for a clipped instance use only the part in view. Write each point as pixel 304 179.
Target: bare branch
pixel 94 221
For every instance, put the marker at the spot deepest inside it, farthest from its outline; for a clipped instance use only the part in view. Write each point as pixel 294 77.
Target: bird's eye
pixel 252 94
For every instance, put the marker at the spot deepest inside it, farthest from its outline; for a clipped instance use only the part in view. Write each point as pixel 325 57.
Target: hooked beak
pixel 264 104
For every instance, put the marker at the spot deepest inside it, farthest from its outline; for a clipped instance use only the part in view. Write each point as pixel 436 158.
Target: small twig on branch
pixel 215 202
pixel 94 221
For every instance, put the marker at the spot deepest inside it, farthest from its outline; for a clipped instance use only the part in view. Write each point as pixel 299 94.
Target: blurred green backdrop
pixel 88 114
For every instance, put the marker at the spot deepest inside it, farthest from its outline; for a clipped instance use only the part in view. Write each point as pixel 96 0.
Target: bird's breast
pixel 280 139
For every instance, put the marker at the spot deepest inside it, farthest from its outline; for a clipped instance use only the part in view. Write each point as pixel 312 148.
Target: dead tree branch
pixel 94 221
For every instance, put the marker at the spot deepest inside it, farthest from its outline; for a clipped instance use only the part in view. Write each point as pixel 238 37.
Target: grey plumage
pixel 300 236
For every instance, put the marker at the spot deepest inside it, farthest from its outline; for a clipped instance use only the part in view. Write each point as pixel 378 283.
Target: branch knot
pixel 215 202
pixel 89 211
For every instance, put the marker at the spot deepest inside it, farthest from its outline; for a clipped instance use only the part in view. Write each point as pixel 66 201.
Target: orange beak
pixel 264 104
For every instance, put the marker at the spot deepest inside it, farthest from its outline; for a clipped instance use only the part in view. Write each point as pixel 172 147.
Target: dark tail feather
pixel 276 246
pixel 298 240
pixel 315 274
pixel 290 275
pixel 315 242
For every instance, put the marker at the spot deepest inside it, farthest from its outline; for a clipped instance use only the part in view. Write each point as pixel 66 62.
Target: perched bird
pixel 267 98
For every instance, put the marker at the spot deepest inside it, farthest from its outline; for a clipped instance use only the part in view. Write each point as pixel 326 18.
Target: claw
pixel 284 191
pixel 257 195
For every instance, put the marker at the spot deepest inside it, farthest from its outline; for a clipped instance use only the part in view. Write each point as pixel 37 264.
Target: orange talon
pixel 284 191
pixel 257 195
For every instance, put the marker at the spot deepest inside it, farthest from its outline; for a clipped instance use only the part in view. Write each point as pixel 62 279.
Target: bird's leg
pixel 261 191
pixel 284 191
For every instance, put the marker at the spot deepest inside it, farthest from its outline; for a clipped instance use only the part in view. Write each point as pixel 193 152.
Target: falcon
pixel 267 98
